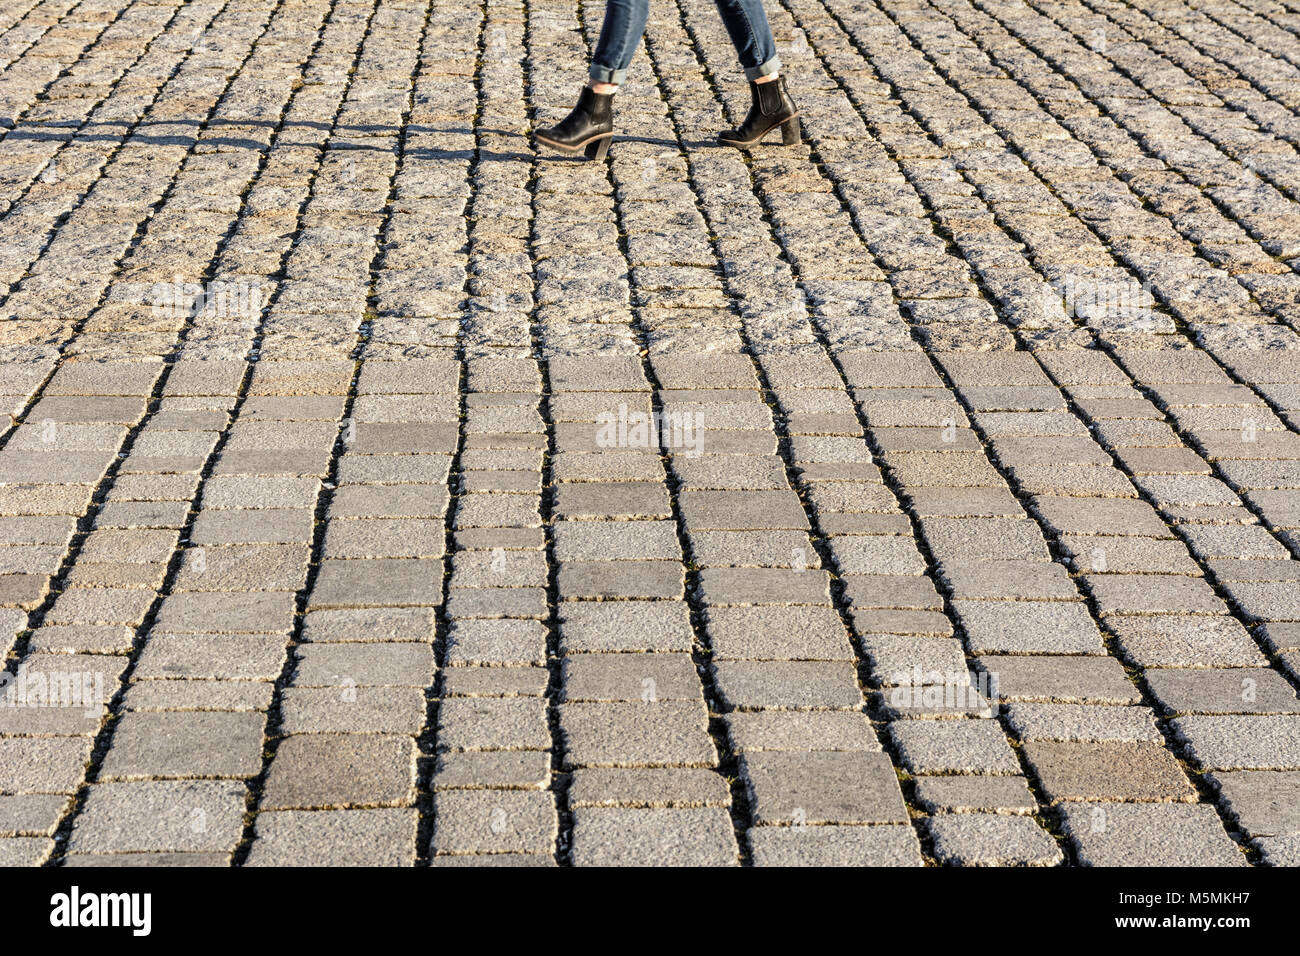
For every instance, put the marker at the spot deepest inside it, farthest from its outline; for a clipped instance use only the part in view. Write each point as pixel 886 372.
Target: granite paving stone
pixel 990 839
pixel 1150 834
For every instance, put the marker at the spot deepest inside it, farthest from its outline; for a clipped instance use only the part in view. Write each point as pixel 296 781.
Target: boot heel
pixel 790 132
pixel 599 148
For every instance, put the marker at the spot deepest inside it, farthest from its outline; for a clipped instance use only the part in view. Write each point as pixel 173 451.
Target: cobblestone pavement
pixel 380 491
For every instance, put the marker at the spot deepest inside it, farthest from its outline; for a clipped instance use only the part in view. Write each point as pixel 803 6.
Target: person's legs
pixel 770 104
pixel 620 35
pixel 746 24
pixel 590 125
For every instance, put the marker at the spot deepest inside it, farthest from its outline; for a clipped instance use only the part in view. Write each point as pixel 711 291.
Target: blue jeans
pixel 625 23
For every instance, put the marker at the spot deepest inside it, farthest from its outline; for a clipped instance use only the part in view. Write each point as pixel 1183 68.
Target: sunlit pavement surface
pixel 379 490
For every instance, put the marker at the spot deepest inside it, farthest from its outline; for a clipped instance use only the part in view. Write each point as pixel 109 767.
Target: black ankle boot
pixel 590 125
pixel 770 107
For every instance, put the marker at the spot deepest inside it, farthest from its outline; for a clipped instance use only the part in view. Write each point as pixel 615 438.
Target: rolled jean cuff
pixel 603 74
pixel 763 69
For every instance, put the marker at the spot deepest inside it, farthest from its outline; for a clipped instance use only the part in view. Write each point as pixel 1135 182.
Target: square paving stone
pixel 895 658
pixel 496 642
pixel 895 621
pixel 1187 641
pixel 1115 554
pixel 243 568
pixel 43 764
pixel 1264 802
pixel 835 498
pixel 769 549
pixel 616 836
pixel 822 787
pixel 1254 690
pixel 371 624
pixel 476 769
pixel 1009 580
pixel 494 821
pixel 667 733
pixel 888 845
pixel 102 606
pixel 1113 770
pixel 971 794
pixel 1036 721
pixel 179 744
pixel 661 787
pixel 198 612
pixel 945 469
pixel 358 710
pixel 722 370
pixel 1061 679
pixel 1230 541
pixel 427 501
pixel 364 665
pixel 616 541
pixel 497 511
pixel 615 580
pixel 483 723
pixel 800 730
pixel 377 582
pixel 953 746
pixel 990 839
pixel 159 816
pixel 965 503
pixel 733 472
pixel 959 541
pixel 334 838
pixel 627 677
pixel 1087 516
pixel 31 814
pixel 742 510
pixel 499 568
pixel 253 526
pixel 625 626
pixel 1152 594
pixel 341 770
pixel 1150 834
pixel 778 633
pixel 385 538
pixel 891 591
pixel 241 695
pixel 876 554
pixel 68 707
pixel 758 586
pixel 788 684
pixel 494 603
pixel 618 499
pixel 217 656
pixel 1029 627
pixel 495 681
pixel 1245 742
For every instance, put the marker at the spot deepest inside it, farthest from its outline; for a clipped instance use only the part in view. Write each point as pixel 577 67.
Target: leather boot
pixel 770 107
pixel 589 126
